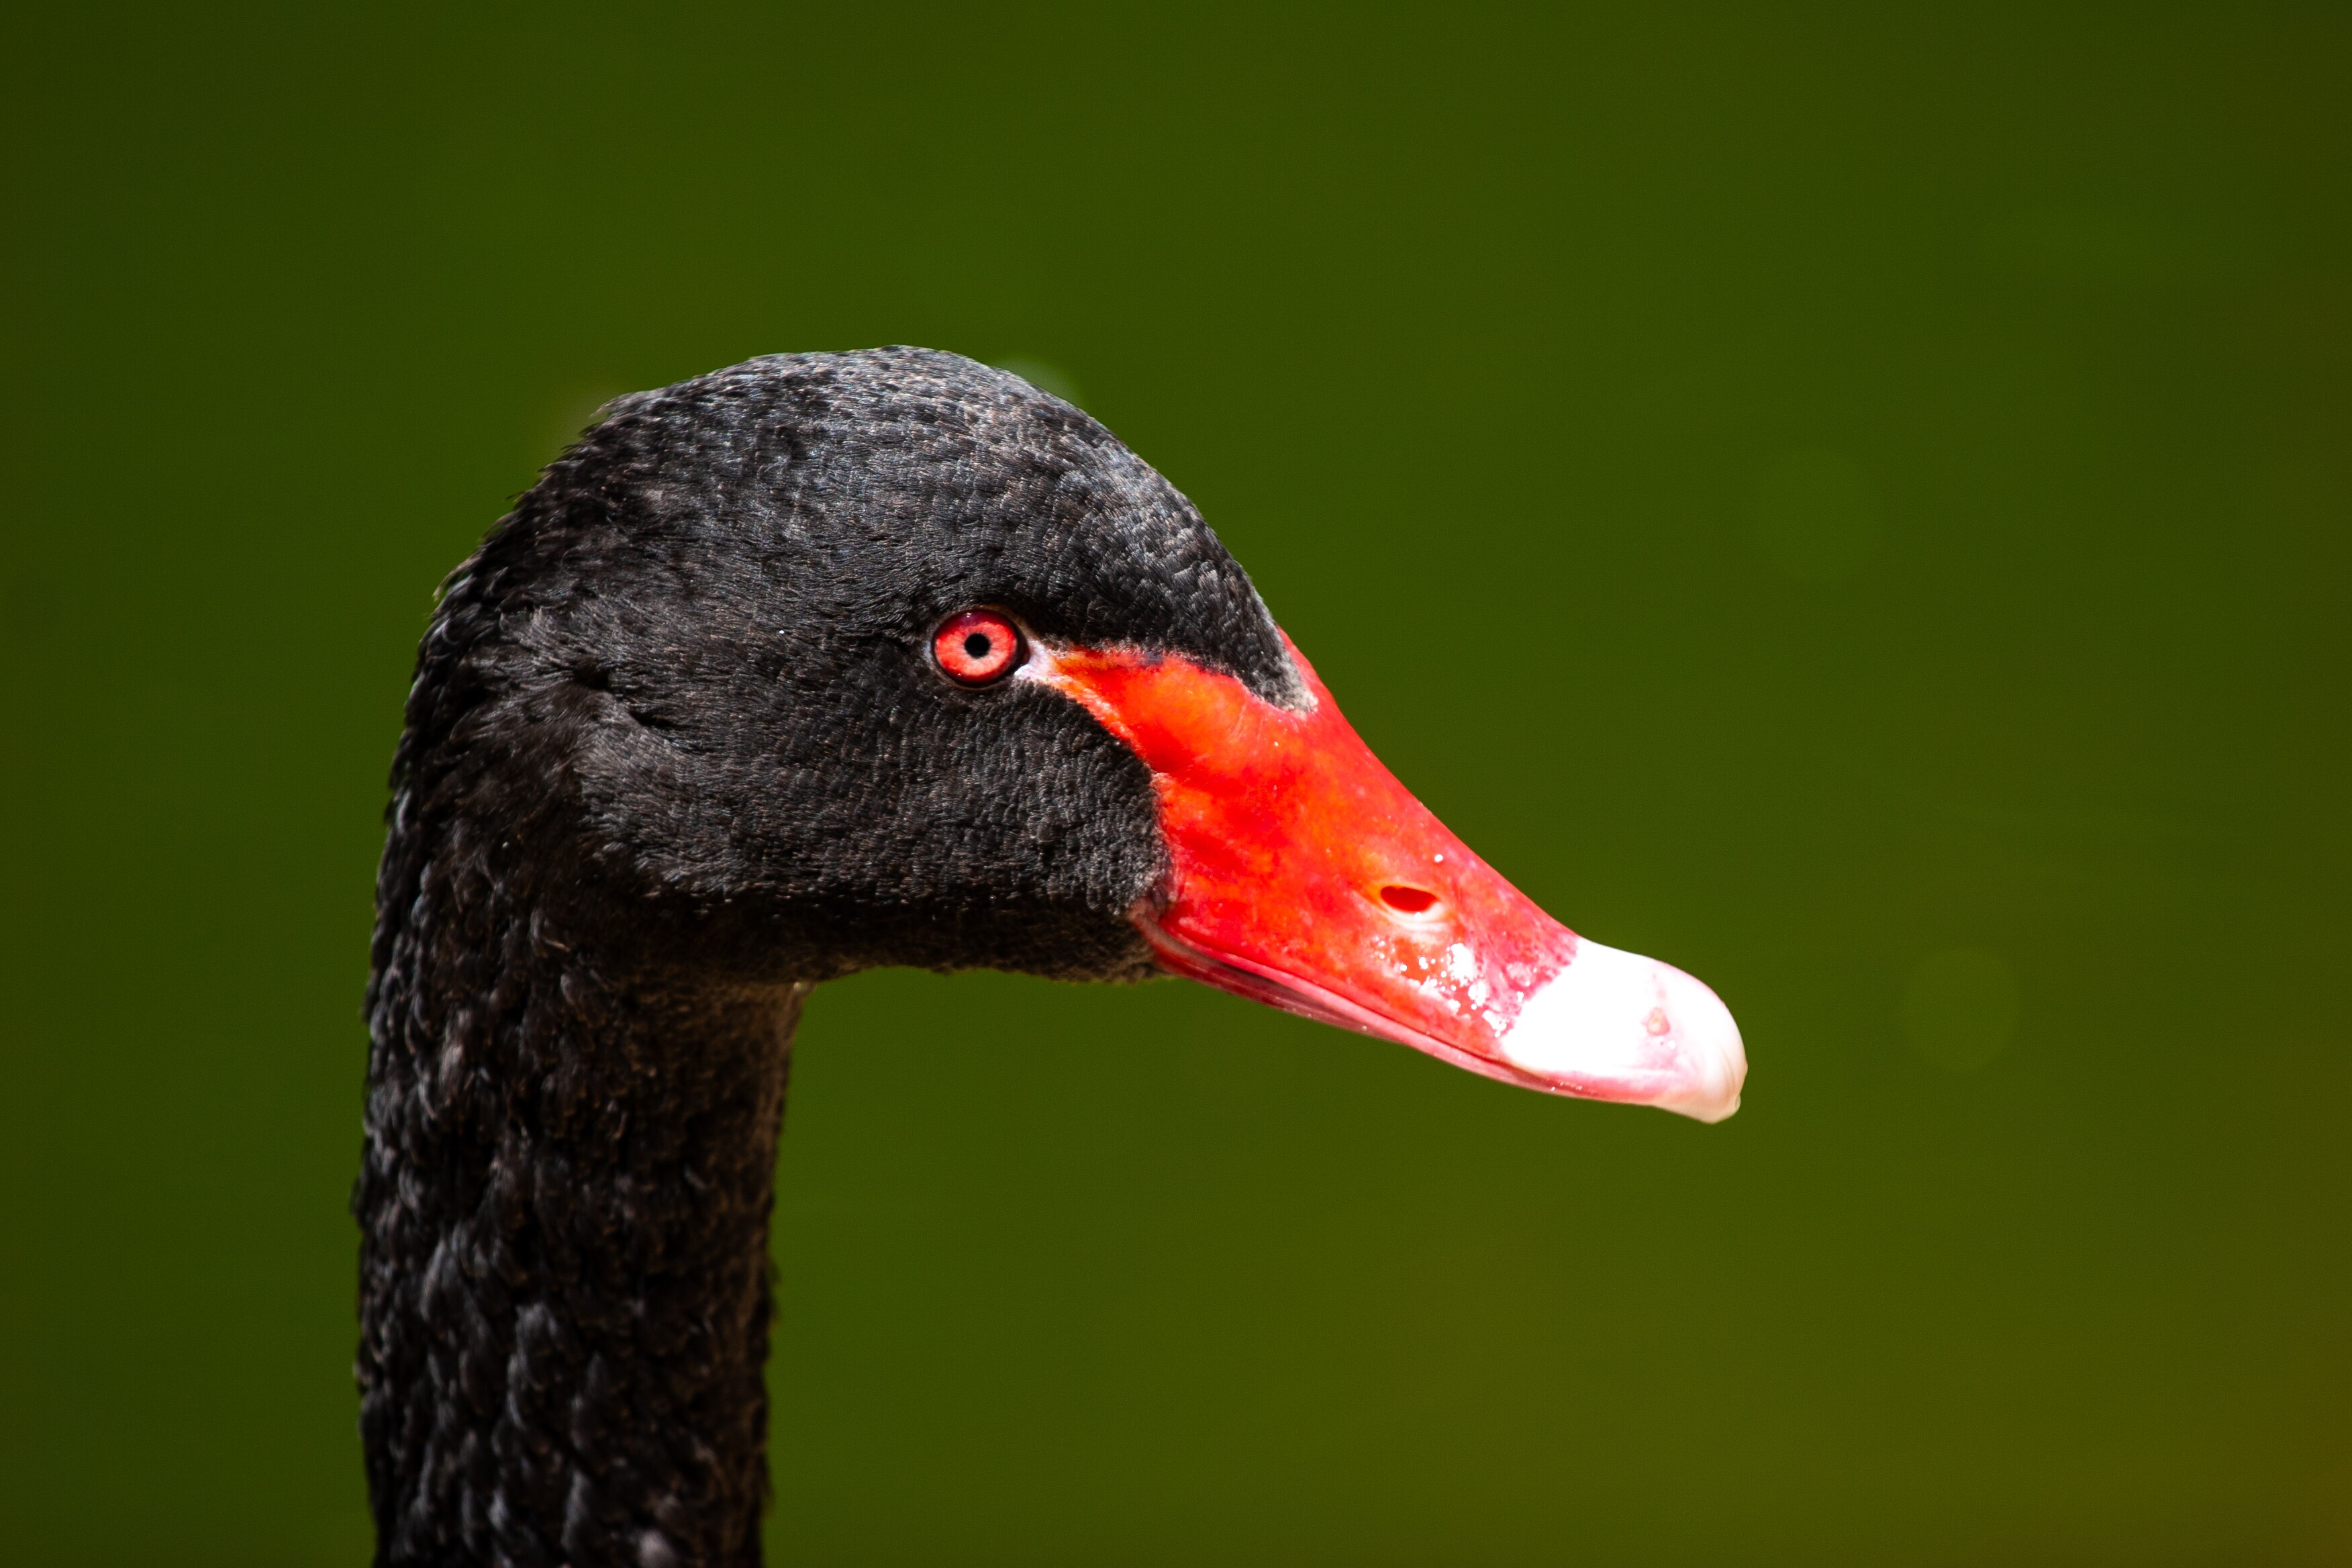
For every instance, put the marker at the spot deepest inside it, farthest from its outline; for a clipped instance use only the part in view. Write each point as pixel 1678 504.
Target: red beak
pixel 1305 877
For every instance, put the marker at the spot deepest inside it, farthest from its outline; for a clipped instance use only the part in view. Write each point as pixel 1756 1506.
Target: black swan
pixel 822 662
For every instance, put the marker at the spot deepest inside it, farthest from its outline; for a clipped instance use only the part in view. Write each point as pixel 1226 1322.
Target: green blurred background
pixel 1854 503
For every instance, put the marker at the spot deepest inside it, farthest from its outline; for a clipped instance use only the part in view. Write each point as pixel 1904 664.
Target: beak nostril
pixel 1408 900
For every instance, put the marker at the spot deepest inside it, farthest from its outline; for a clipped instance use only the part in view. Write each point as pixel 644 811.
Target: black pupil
pixel 976 645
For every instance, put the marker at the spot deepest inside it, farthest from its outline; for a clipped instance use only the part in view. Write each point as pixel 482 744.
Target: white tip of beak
pixel 1616 1026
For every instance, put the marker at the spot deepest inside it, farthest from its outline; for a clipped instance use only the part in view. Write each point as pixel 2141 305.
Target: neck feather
pixel 565 1287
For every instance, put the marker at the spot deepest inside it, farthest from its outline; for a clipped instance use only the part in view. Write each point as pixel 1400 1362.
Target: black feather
pixel 674 752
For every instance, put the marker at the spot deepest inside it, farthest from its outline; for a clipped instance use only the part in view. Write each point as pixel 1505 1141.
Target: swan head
pixel 825 661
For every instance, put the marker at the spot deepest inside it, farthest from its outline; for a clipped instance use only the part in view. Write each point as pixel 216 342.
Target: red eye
pixel 976 647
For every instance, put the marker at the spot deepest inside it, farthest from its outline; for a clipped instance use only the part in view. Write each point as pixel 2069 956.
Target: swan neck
pixel 564 1203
